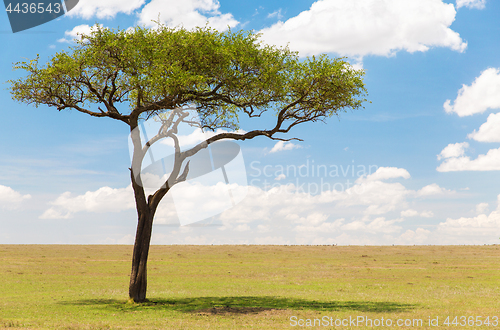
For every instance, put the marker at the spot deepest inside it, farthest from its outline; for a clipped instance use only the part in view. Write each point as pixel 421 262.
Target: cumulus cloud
pixel 418 236
pixel 481 95
pixel 477 4
pixel 432 189
pixel 283 145
pixel 481 229
pixel 378 225
pixel 427 214
pixel 453 150
pixel 104 199
pixel 379 196
pixel 187 13
pixel 104 9
pixel 76 32
pixel 384 173
pixel 280 177
pixel 412 213
pixel 359 28
pixel 366 213
pixel 488 162
pixel 489 131
pixel 409 213
pixel 310 214
pixel 11 199
pixel 482 208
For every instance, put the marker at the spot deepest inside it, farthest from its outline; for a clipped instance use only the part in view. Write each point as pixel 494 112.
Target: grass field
pixel 251 287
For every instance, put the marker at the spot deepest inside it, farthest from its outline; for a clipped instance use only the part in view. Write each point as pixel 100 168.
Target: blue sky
pixel 425 151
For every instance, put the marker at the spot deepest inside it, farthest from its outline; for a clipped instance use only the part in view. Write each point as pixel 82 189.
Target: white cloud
pixel 11 199
pixel 432 189
pixel 384 173
pixel 242 227
pixel 481 229
pixel 76 32
pixel 276 14
pixel 104 199
pixel 283 145
pixel 409 213
pixel 453 150
pixel 482 208
pixel 427 214
pixel 104 9
pixel 477 230
pixel 488 162
pixel 292 204
pixel 412 213
pixel 478 4
pixel 263 228
pixel 481 95
pixel 188 13
pixel 419 236
pixel 313 219
pixel 378 197
pixel 378 225
pixel 359 28
pixel 366 213
pixel 280 177
pixel 489 131
pixel 54 213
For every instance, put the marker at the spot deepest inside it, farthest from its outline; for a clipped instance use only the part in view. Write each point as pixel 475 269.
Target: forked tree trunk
pixel 146 209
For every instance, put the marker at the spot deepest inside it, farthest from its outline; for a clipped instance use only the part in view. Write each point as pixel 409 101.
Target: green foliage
pixel 223 73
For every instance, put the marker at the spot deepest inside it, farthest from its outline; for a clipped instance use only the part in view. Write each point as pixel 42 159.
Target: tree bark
pixel 138 275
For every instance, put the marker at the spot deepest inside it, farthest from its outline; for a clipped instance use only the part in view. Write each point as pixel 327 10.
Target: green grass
pixel 238 287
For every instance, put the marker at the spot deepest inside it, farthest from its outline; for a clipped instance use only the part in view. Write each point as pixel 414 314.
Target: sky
pixel 420 164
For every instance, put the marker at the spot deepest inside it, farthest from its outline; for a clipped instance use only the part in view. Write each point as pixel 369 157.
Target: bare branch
pixel 184 174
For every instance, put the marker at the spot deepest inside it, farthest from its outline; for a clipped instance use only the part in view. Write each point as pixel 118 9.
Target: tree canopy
pixel 226 74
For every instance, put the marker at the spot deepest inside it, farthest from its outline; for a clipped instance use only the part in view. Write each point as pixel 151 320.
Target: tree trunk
pixel 138 276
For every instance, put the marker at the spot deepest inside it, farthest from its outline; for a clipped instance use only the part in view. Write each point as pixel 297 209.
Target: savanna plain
pixel 251 287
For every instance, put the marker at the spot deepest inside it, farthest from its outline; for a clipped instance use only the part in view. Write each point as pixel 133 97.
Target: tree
pixel 161 71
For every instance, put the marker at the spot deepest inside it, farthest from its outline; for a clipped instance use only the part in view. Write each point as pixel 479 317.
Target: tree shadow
pixel 243 305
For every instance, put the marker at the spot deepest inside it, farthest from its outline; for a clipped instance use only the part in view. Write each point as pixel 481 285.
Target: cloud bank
pixel 368 27
pixel 11 199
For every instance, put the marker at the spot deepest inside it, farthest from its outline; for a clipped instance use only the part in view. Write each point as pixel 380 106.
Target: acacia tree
pixel 133 75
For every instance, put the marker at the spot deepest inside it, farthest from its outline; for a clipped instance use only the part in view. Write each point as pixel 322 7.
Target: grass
pixel 246 287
